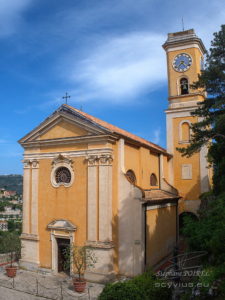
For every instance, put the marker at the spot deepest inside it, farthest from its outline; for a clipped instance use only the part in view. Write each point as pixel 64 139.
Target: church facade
pixel 88 182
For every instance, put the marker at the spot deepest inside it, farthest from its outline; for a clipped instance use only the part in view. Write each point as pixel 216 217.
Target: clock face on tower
pixel 182 62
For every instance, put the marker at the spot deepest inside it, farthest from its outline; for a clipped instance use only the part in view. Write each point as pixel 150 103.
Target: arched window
pixel 153 180
pixel 184 88
pixel 131 176
pixel 185 132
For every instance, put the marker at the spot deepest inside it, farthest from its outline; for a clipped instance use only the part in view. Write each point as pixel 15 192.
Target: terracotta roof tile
pixel 117 130
pixel 159 195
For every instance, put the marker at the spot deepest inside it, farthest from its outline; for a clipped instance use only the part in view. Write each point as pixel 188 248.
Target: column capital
pixel 92 160
pixel 105 159
pixel 26 164
pixel 35 164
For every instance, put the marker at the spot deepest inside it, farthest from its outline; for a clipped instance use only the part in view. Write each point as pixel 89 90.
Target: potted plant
pixel 11 246
pixel 80 258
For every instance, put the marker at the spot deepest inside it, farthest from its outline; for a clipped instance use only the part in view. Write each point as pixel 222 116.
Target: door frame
pixel 54 236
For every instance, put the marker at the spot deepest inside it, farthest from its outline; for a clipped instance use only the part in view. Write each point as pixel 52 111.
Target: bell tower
pixel 185 60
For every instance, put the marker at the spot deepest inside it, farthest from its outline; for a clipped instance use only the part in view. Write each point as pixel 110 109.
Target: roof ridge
pixel 117 129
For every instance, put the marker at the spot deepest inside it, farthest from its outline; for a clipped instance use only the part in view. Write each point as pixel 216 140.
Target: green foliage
pixel 121 290
pixel 12 183
pixel 6 202
pixel 143 287
pixel 81 257
pixel 14 226
pixel 2 206
pixel 208 233
pixel 210 284
pixel 10 243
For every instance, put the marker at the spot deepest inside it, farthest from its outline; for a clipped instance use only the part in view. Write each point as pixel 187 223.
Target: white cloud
pixel 121 68
pixel 156 136
pixel 11 15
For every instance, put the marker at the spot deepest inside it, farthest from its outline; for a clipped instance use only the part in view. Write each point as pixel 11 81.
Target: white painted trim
pixel 53 173
pixel 54 236
pixel 170 145
pixel 180 111
pixel 204 170
pixel 26 197
pixel 92 202
pixel 152 207
pixel 78 153
pixel 34 198
pixel 184 47
pixel 181 132
pixel 121 156
pixel 59 116
pixel 105 202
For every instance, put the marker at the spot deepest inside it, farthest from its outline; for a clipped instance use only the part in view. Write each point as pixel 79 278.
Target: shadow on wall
pixel 128 230
pixel 190 202
pixel 130 233
pixel 194 190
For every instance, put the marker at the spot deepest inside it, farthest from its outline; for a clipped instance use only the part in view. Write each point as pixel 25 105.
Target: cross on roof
pixel 66 97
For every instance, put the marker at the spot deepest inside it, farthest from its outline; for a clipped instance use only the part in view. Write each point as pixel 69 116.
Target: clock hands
pixel 182 63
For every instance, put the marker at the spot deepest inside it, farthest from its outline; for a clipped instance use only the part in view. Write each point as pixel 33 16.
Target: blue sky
pixel 106 54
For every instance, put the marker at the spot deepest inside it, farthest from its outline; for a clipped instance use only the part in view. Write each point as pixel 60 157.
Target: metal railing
pixel 38 287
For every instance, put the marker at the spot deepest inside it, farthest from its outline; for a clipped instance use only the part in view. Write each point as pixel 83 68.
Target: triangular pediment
pixel 63 129
pixel 63 124
pixel 61 225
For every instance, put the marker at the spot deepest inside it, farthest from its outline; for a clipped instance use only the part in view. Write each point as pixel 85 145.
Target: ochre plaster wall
pixel 189 189
pixel 143 162
pixel 160 233
pixel 63 129
pixel 61 203
pixel 191 73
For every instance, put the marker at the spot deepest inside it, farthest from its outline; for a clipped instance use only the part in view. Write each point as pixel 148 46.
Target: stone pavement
pixel 35 286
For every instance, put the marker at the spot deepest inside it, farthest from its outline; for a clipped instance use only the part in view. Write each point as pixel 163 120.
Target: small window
pixel 131 176
pixel 184 89
pixel 63 175
pixel 153 180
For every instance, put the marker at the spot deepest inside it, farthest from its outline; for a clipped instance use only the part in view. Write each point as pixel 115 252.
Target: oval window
pixel 63 175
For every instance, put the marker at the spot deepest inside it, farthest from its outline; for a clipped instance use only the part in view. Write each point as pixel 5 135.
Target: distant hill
pixel 12 183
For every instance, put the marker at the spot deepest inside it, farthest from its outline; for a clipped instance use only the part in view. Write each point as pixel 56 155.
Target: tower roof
pixel 183 38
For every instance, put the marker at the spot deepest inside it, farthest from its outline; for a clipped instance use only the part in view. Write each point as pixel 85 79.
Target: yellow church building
pixel 89 182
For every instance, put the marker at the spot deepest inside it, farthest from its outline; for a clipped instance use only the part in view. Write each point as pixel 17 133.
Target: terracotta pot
pixel 79 285
pixel 11 271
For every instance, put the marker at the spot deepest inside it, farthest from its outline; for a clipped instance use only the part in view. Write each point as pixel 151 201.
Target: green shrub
pixel 151 287
pixel 121 290
pixel 208 233
pixel 143 287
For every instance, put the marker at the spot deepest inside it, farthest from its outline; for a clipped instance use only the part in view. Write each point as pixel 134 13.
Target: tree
pixel 210 129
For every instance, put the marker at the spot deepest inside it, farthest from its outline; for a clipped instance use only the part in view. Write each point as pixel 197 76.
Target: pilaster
pixel 92 197
pixel 26 196
pixel 29 238
pixel 105 198
pixel 34 197
pixel 100 216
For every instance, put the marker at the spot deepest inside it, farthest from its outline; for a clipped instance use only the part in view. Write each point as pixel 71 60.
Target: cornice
pixel 184 42
pixel 69 140
pixel 70 154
